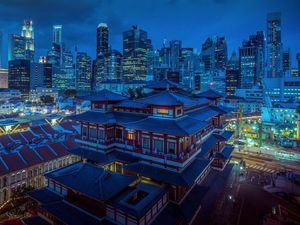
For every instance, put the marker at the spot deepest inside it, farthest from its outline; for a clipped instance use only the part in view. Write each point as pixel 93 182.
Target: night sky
pixel 191 21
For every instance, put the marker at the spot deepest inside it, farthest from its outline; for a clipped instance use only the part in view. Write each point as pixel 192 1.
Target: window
pixel 163 111
pixel 93 133
pixel 171 147
pixel 130 135
pixel 146 143
pixel 100 133
pixel 84 131
pixel 179 111
pixel 119 133
pixel 158 145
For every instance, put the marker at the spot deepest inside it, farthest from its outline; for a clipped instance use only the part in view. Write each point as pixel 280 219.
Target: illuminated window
pixel 163 111
pixel 130 136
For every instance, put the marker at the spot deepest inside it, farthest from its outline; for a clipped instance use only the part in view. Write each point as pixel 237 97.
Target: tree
pixel 131 93
pixel 46 99
pixel 139 92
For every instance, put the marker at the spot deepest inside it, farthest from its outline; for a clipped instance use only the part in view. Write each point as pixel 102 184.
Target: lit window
pixel 163 111
pixel 130 136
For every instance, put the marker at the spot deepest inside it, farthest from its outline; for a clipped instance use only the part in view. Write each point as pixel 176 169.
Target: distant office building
pixel 294 72
pixel 64 78
pixel 135 47
pixel 175 55
pixel 16 47
pixel 1 39
pixel 173 76
pixel 83 72
pixel 28 34
pixel 197 81
pixel 36 94
pixel 57 34
pixel 114 65
pixel 251 58
pixel 43 59
pixel 164 56
pixel 54 55
pixel 153 63
pixel 19 76
pixel 298 62
pixel 274 45
pixel 48 75
pixel 214 53
pixel 3 78
pixel 102 39
pixel 36 75
pixel 286 60
pixel 232 75
pixel 189 63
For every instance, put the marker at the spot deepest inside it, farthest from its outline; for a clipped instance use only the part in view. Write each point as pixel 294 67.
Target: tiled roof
pixel 181 126
pixel 169 98
pixel 6 141
pixel 70 144
pixel 30 156
pixel 185 177
pixel 132 104
pixel 105 95
pixel 45 196
pixel 28 135
pixel 59 149
pixel 203 113
pixel 210 94
pixel 46 153
pixel 18 137
pixel 98 183
pixel 107 117
pixel 14 162
pixel 38 131
pixel 70 214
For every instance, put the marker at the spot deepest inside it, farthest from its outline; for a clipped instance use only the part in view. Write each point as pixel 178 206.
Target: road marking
pixel 257 167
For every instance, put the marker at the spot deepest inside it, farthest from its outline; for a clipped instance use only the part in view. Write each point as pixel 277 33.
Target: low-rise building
pixel 35 95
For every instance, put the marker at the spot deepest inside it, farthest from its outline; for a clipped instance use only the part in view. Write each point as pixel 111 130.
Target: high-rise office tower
pixel 83 72
pixel 3 78
pixel 28 34
pixel 286 60
pixel 1 49
pixel 113 61
pixel 135 47
pixel 57 30
pixel 19 76
pixel 274 45
pixel 251 58
pixel 175 55
pixel 214 53
pixel 298 62
pixel 164 55
pixel 153 64
pixel 36 75
pixel 16 47
pixel 189 63
pixel 232 75
pixel 102 39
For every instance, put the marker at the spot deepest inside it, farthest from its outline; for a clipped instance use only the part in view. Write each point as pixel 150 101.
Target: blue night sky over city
pixel 191 21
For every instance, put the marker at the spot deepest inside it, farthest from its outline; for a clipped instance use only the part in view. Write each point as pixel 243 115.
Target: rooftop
pixel 98 183
pixel 105 95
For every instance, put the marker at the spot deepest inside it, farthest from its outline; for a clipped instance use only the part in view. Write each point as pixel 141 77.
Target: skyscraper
pixel 214 53
pixel 16 47
pixel 0 49
pixel 83 72
pixel 298 62
pixel 232 75
pixel 274 45
pixel 19 76
pixel 286 60
pixel 102 39
pixel 57 30
pixel 251 58
pixel 28 34
pixel 113 61
pixel 175 55
pixel 3 78
pixel 135 47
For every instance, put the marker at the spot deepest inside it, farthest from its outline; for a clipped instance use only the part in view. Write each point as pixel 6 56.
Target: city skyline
pixel 81 31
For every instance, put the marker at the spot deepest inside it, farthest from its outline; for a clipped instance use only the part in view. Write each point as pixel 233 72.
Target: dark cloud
pixel 192 21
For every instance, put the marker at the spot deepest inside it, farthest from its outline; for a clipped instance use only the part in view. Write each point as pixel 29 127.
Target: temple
pixel 142 160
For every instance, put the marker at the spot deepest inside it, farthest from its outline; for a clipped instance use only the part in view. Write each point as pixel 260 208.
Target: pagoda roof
pixel 184 125
pixel 226 152
pixel 98 183
pixel 132 104
pixel 211 94
pixel 164 84
pixel 186 177
pixel 105 95
pixel 99 117
pixel 167 97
